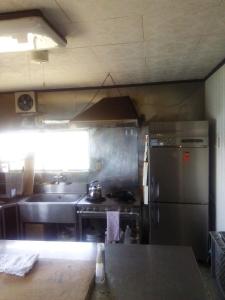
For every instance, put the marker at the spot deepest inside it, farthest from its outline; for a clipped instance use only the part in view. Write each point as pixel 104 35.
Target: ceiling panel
pixel 118 52
pixel 216 24
pixel 135 40
pixel 127 77
pixel 9 5
pixel 71 57
pixel 76 79
pixel 126 65
pixel 111 31
pixel 13 61
pixel 173 48
pixel 180 19
pixel 89 10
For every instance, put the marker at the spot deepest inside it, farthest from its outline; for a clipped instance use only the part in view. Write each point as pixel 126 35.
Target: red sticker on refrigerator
pixel 186 156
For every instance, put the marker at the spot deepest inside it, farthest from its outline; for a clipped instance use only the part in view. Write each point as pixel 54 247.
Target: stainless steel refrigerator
pixel 178 182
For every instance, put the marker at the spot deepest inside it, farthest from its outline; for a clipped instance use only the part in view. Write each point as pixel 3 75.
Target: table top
pixel 51 250
pixel 153 272
pixel 65 270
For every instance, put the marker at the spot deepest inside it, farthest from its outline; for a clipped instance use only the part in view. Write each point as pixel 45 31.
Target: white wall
pixel 215 112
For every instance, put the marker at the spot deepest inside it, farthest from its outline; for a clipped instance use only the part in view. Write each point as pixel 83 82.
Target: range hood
pixel 108 112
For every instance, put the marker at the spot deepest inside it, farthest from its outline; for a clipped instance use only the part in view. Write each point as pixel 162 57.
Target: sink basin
pixel 54 198
pixel 49 208
pixel 2 202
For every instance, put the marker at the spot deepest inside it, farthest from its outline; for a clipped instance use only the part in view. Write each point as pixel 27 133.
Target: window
pixel 13 150
pixel 62 151
pixel 53 150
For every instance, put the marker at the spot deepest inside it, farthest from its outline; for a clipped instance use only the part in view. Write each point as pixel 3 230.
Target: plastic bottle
pixel 127 235
pixel 100 264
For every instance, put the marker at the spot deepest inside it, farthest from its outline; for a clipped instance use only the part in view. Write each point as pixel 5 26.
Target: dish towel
pixel 17 264
pixel 113 226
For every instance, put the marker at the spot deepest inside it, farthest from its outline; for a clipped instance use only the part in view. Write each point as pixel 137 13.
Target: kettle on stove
pixel 94 191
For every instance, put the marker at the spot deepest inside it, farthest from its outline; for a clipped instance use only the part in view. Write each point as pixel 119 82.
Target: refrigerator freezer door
pixel 180 224
pixel 179 175
pixel 165 174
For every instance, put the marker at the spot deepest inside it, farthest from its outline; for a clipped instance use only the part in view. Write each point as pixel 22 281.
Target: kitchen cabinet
pixel 49 232
pixel 10 222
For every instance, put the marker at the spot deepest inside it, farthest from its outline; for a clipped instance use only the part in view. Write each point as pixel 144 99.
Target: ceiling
pixel 137 41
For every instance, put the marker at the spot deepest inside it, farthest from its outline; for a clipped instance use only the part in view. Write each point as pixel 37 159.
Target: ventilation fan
pixel 25 102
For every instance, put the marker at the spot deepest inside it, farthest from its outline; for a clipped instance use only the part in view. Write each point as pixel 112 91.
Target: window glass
pixel 62 151
pixel 53 150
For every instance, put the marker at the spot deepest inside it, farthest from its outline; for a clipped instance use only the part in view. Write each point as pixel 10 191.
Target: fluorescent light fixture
pixel 27 31
pixel 55 122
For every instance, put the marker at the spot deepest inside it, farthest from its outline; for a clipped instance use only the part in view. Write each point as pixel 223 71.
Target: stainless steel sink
pixel 53 198
pixel 49 208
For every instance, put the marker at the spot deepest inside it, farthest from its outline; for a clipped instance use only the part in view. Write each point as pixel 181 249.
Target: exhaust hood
pixel 108 112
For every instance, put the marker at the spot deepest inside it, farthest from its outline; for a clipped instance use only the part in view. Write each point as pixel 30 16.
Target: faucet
pixel 59 178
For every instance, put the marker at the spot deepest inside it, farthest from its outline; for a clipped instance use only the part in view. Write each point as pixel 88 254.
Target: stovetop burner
pixel 95 201
pixel 122 196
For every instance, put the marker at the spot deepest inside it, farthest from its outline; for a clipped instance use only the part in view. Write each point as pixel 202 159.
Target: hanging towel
pixel 17 264
pixel 113 226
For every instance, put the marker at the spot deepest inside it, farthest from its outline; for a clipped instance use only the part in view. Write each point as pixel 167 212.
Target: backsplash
pixel 113 161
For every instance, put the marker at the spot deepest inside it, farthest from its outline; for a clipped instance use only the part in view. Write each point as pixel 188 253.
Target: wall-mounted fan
pixel 25 102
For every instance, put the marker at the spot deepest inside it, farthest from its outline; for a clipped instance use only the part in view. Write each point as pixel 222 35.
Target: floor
pixel 101 292
pixel 209 283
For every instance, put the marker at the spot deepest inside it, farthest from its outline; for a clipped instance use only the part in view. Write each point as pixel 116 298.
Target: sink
pixel 54 198
pixel 49 208
pixel 2 202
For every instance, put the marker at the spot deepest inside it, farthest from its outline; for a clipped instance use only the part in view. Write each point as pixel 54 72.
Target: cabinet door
pixel 10 223
pixel 180 224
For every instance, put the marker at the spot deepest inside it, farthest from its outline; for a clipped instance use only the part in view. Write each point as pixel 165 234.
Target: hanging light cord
pixel 118 90
pixel 96 93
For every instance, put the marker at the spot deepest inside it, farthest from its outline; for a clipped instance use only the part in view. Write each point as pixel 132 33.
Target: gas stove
pixel 107 204
pixel 94 215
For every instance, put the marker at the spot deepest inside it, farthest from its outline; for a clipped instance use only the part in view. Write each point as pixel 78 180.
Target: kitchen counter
pixel 65 270
pixel 7 202
pixel 139 272
pixel 51 250
pixel 133 272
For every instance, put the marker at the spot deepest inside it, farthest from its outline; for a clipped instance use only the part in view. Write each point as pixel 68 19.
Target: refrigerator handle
pixel 157 190
pixel 153 215
pixel 152 190
pixel 158 215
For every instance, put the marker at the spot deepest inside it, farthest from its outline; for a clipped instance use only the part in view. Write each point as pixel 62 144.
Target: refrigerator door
pixel 195 175
pixel 165 174
pixel 179 175
pixel 180 224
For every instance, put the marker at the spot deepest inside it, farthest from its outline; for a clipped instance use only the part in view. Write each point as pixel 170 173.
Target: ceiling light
pixel 55 122
pixel 27 31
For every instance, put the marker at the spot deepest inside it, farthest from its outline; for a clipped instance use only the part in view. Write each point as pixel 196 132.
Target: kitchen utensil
pixel 95 191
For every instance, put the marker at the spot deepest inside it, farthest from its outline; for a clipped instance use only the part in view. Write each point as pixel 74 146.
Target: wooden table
pixel 139 272
pixel 64 271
